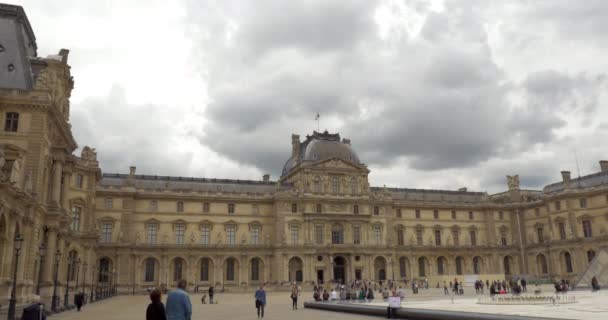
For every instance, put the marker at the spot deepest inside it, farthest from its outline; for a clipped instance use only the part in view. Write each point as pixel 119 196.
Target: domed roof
pixel 321 146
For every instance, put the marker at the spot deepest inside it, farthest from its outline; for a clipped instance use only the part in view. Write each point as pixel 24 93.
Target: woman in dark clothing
pixel 156 309
pixel 210 295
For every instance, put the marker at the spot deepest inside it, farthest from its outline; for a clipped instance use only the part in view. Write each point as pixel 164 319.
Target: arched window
pixel 255 269
pixel 178 266
pixel 568 262
pixel 402 267
pixel 150 266
pixel 459 263
pixel 477 265
pixel 205 269
pixel 104 270
pixel 590 255
pixel 422 267
pixel 541 261
pixel 230 268
pixel 335 185
pixel 353 186
pixel 316 184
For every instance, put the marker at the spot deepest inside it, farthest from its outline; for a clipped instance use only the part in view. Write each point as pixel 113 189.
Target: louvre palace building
pixel 67 225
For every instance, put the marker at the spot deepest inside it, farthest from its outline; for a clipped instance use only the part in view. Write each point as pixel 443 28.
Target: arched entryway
pixel 380 268
pixel 508 265
pixel 340 269
pixel 295 269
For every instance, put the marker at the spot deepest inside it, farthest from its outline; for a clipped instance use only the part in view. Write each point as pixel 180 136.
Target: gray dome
pixel 321 146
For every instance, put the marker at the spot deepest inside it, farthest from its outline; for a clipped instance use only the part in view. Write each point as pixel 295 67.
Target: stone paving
pixel 241 306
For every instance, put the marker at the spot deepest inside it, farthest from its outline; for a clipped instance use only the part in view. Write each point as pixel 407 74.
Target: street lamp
pixel 55 297
pixel 13 301
pixel 42 253
pixel 84 282
pixel 66 297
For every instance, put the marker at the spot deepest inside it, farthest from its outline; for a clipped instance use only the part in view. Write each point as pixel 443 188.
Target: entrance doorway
pixel 358 274
pixel 320 276
pixel 340 269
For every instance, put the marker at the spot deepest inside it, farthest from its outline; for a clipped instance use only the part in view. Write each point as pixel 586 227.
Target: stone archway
pixel 296 267
pixel 380 268
pixel 339 269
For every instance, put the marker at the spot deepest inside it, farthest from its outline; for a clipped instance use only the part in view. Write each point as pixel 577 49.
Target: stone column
pixel 56 185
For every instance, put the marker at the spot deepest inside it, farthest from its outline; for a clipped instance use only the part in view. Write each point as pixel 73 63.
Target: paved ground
pixel 239 306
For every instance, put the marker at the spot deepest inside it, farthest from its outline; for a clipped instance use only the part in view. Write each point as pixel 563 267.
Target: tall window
pixel 542 261
pixel 337 235
pixel 11 123
pixel 149 272
pixel 108 203
pixel 378 234
pixel 562 230
pixel 503 238
pixel 500 215
pixel 335 185
pixel 106 232
pixel 438 237
pixel 180 206
pixel 294 208
pixel 316 184
pixel 230 266
pixel 376 210
pixel 231 208
pixel 79 181
pixel 590 255
pixel 178 265
pixel 319 233
pixel 179 233
pixel 255 235
pixel 459 263
pixel 204 269
pixel 587 229
pixel 473 237
pixel 453 214
pixel 417 213
pixel 153 205
pixel 471 216
pixel 539 235
pixel 476 265
pixel 76 212
pixel 400 237
pixel 206 207
pixel 568 262
pixel 319 208
pixel 104 270
pixel 255 269
pixel 295 234
pixel 72 266
pixel 357 234
pixel 435 214
pixel 582 202
pixel 440 265
pixel 205 234
pixel 422 267
pixel 231 235
pixel 402 265
pixel 356 209
pixel 558 206
pixel 152 231
pixel 419 237
pixel 456 236
pixel 353 186
pixel 399 215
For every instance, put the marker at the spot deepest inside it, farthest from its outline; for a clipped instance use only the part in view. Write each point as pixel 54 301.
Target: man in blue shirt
pixel 178 303
pixel 260 300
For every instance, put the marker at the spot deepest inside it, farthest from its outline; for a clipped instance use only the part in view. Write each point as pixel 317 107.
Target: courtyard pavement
pixel 241 306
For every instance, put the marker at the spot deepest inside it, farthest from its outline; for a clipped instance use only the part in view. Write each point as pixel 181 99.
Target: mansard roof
pixel 591 180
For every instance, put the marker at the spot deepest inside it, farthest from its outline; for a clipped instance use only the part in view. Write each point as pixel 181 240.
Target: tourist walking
pixel 210 295
pixel 156 309
pixel 260 301
pixel 178 303
pixel 294 298
pixel 595 285
pixel 445 288
pixel 79 299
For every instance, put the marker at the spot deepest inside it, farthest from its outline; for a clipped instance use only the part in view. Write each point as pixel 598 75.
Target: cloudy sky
pixel 433 94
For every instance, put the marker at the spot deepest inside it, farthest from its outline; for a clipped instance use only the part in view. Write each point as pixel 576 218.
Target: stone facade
pixel 319 221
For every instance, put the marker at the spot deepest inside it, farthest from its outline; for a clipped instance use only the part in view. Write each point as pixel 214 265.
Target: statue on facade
pixel 28 185
pixel 88 153
pixel 15 177
pixel 513 182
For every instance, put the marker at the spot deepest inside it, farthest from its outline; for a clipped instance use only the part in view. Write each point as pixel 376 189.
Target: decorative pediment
pixel 231 223
pixel 437 227
pixel 455 228
pixel 294 222
pixel 559 220
pixel 81 202
pixel 255 224
pixel 503 229
pixel 539 225
pixel 206 223
pixel 178 222
pixel 472 228
pixel 337 163
pixel 585 217
pixel 399 226
pixel 107 219
pixel 152 221
pixel 419 227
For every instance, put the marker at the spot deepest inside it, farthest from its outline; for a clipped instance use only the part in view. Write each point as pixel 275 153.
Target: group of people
pixel 514 286
pixel 562 286
pixel 456 287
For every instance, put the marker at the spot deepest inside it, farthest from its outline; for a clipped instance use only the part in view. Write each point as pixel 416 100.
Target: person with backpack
pixel 294 298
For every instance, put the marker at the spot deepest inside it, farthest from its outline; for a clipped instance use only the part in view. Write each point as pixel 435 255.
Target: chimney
pixel 266 178
pixel 131 177
pixel 604 165
pixel 346 141
pixel 566 177
pixel 295 146
pixel 64 55
pixel 463 189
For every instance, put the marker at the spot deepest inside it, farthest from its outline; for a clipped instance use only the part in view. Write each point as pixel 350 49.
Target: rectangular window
pixel 435 214
pixel 108 203
pixel 255 235
pixel 539 235
pixel 417 214
pixel 79 181
pixel 471 216
pixel 456 236
pixel 205 234
pixel 231 208
pixel 319 234
pixel 179 233
pixel 562 230
pixel 319 208
pixel 11 123
pixel 453 214
pixel 378 234
pixel 152 230
pixel 582 202
pixel 180 206
pixel 337 236
pixel 500 215
pixel 76 212
pixel 419 237
pixel 231 235
pixel 356 209
pixel 106 232
pixel 399 213
pixel 294 208
pixel 587 229
pixel 295 234
pixel 558 206
pixel 206 207
pixel 437 237
pixel 376 210
pixel 204 270
pixel 153 205
pixel 357 234
pixel 255 209
pixel 473 237
pixel 400 237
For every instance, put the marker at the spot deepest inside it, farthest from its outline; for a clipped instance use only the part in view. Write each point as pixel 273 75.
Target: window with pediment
pixel 354 189
pixel 319 234
pixel 335 185
pixel 316 184
pixel 180 230
pixel 337 234
pixel 231 234
pixel 357 234
pixel 205 234
pixel 400 237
